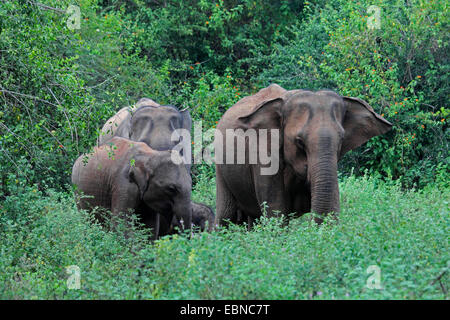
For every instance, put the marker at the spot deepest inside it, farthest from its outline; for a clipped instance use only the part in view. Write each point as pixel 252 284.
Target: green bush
pixel 380 225
pixel 208 96
pixel 221 34
pixel 42 235
pixel 404 233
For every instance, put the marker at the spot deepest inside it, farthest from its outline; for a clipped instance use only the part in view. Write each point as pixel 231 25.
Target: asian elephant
pixel 315 130
pixel 148 122
pixel 202 216
pixel 124 175
pixel 202 219
pixel 110 128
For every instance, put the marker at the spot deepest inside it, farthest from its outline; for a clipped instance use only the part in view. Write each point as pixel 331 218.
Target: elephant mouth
pixel 302 174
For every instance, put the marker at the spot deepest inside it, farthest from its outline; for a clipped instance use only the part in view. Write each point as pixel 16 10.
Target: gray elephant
pixel 315 130
pixel 202 216
pixel 111 126
pixel 123 175
pixel 148 122
pixel 202 219
pixel 153 124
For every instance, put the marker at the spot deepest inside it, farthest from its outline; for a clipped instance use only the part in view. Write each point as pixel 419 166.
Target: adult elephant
pixel 315 130
pixel 110 128
pixel 124 175
pixel 148 122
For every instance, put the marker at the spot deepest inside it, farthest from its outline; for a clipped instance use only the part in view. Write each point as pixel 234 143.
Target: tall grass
pixel 403 233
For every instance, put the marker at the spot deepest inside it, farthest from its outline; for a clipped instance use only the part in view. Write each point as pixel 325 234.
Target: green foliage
pixel 220 34
pixel 380 225
pixel 205 185
pixel 45 234
pixel 208 96
pixel 404 233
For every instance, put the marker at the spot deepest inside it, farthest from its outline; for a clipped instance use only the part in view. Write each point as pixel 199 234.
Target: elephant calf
pixel 124 175
pixel 201 215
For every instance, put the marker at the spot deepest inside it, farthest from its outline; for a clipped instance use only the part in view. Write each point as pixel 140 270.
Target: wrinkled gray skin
pixel 202 219
pixel 148 122
pixel 133 176
pixel 110 127
pixel 153 124
pixel 316 130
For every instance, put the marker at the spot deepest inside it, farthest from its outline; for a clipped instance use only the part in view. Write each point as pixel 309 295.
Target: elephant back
pixel 247 104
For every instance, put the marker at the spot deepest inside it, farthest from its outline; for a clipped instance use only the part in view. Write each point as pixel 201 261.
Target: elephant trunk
pixel 183 214
pixel 324 184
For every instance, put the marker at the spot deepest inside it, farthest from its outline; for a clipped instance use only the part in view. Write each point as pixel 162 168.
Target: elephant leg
pixel 123 203
pixel 269 190
pixel 242 218
pixel 250 222
pixel 226 207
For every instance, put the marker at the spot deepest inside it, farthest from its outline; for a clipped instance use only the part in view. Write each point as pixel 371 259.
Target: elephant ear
pixel 266 114
pixel 140 175
pixel 186 121
pixel 361 123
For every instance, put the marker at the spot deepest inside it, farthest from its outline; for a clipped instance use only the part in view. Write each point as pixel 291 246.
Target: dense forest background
pixel 63 74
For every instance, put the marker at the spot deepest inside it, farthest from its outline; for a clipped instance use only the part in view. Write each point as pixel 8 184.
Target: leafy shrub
pixel 404 233
pixel 221 34
pixel 44 234
pixel 209 96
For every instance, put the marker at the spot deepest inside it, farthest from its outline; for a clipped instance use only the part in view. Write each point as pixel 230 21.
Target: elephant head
pixel 202 219
pixel 154 125
pixel 164 186
pixel 317 129
pixel 202 216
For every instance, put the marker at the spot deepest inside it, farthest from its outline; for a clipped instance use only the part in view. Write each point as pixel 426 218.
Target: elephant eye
pixel 300 143
pixel 172 189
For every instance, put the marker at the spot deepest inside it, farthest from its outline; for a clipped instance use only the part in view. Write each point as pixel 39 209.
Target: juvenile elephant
pixel 130 175
pixel 315 130
pixel 148 122
pixel 201 215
